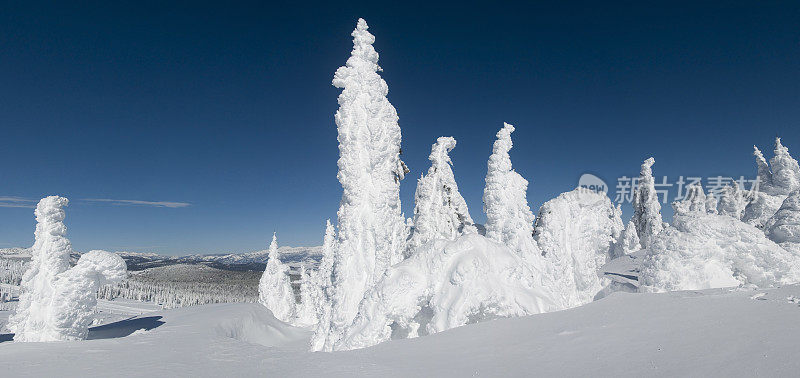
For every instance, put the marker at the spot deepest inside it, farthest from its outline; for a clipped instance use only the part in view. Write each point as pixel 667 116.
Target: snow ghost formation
pixel 324 288
pixel 447 284
pixel 646 209
pixel 695 201
pixel 57 302
pixel 776 181
pixel 371 228
pixel 784 227
pixel 274 288
pixel 703 251
pixel 306 309
pixel 576 231
pixel 439 211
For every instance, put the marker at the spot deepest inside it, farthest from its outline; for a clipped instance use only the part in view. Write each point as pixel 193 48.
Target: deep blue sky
pixel 229 107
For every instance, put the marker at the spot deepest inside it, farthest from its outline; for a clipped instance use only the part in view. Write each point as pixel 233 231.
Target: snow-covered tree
pixel 274 288
pixel 764 173
pixel 371 228
pixel 731 202
pixel 576 231
pixel 324 285
pixel 307 308
pixel 509 219
pixel 785 170
pixel 646 209
pixel 784 227
pixel 439 211
pixel 627 243
pixel 694 202
pixel 711 203
pixel 57 302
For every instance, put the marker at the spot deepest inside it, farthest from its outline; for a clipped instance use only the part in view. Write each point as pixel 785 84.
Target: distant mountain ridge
pixel 255 260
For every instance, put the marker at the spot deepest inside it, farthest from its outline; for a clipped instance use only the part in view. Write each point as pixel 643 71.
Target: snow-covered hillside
pixel 624 335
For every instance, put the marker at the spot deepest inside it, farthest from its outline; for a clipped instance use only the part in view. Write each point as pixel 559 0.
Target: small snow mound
pixel 447 284
pixel 258 326
pixel 702 251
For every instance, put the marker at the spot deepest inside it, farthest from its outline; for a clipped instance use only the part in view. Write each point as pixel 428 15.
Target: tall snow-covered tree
pixel 324 292
pixel 274 288
pixel 646 209
pixel 711 203
pixel 784 227
pixel 57 302
pixel 371 227
pixel 439 211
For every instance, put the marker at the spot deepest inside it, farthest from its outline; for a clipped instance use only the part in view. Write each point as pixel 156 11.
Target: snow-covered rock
pixel 701 251
pixel 57 302
pixel 274 288
pixel 447 284
pixel 576 232
pixel 439 210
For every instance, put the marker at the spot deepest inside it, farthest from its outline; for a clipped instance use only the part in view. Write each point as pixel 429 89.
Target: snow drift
pixel 447 284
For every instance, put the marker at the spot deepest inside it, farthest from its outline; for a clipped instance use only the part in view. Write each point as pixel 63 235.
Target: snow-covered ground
pixel 721 332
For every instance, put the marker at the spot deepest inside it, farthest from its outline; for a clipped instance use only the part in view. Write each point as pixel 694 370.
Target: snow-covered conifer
pixel 731 202
pixel 509 219
pixel 711 203
pixel 57 303
pixel 324 292
pixel 627 243
pixel 785 170
pixel 306 314
pixel 646 209
pixel 439 211
pixel 694 202
pixel 371 228
pixel 784 227
pixel 274 288
pixel 764 173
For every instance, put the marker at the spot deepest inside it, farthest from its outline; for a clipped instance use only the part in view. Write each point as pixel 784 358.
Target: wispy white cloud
pixel 139 203
pixel 17 202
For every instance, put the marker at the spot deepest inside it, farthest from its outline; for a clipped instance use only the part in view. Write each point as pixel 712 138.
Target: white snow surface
pixel 447 284
pixel 576 232
pixel 624 335
pixel 700 251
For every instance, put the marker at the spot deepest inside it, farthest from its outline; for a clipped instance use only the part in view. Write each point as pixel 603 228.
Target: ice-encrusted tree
pixel 784 227
pixel 274 288
pixel 440 211
pixel 627 243
pixel 646 209
pixel 711 203
pixel 509 219
pixel 324 291
pixel 371 228
pixel 785 170
pixel 764 173
pixel 57 302
pixel 307 308
pixel 694 202
pixel 731 202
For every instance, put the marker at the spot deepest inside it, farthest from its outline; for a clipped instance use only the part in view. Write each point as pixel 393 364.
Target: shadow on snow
pixel 114 330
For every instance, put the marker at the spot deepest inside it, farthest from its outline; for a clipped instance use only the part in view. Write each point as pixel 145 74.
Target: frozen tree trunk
pixel 439 211
pixel 372 229
pixel 646 209
pixel 57 303
pixel 274 288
